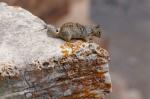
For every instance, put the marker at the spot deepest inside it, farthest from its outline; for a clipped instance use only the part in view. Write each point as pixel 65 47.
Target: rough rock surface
pixel 33 65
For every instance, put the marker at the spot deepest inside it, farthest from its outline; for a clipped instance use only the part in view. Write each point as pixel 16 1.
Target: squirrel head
pixel 96 31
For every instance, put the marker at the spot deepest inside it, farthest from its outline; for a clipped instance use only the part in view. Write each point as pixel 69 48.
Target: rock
pixel 33 65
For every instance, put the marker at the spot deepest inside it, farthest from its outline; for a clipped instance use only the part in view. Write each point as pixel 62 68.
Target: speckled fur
pixel 70 30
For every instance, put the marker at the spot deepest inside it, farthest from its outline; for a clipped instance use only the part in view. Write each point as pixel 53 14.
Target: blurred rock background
pixel 126 35
pixel 126 24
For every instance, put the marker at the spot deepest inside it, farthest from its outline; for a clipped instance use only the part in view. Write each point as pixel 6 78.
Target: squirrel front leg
pixel 65 35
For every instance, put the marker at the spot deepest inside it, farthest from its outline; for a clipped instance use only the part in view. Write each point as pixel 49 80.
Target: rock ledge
pixel 33 65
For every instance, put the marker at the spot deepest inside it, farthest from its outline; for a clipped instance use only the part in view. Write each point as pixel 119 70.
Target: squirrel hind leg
pixel 88 39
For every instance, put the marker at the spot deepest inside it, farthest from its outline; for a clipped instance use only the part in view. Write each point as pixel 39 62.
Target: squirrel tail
pixel 52 31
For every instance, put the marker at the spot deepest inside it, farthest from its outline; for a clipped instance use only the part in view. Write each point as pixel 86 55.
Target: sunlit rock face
pixel 33 65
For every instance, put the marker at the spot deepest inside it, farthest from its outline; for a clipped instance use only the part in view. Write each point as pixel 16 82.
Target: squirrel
pixel 70 30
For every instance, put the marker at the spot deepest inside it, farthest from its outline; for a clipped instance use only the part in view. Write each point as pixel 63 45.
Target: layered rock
pixel 33 65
